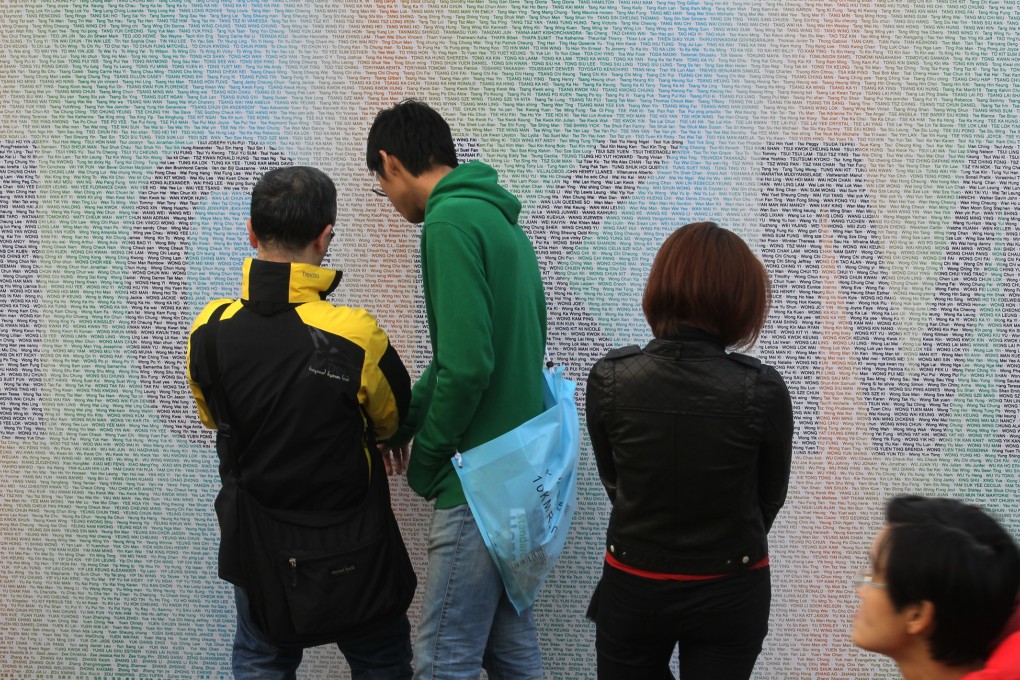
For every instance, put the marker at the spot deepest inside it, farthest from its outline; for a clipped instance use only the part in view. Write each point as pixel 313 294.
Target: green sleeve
pixel 421 396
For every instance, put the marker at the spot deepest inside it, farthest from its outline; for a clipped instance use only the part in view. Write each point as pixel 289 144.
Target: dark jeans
pixel 386 655
pixel 719 625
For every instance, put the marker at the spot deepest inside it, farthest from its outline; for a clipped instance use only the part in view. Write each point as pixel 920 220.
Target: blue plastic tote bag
pixel 522 490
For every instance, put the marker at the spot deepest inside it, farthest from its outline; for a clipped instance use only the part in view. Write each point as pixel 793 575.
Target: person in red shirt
pixel 941 586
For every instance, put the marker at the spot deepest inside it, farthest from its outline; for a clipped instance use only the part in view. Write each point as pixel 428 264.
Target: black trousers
pixel 719 625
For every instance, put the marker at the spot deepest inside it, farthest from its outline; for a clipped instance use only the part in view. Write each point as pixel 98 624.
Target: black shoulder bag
pixel 315 577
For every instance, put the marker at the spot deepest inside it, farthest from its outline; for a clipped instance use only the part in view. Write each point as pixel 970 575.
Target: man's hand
pixel 394 458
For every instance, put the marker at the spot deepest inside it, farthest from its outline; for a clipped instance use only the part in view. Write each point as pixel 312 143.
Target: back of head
pixel 961 560
pixel 413 132
pixel 706 276
pixel 291 206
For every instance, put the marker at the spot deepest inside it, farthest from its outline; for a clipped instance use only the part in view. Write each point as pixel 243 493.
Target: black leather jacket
pixel 693 446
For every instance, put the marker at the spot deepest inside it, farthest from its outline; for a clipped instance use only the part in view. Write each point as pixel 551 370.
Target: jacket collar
pixel 286 282
pixel 688 342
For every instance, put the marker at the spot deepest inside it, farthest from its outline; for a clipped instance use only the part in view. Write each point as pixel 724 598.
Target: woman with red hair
pixel 693 446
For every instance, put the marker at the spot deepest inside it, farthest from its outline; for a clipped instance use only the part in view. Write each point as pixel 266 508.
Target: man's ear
pixel 323 239
pixel 391 165
pixel 920 617
pixel 252 238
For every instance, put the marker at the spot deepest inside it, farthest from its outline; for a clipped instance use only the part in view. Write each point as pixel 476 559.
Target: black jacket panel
pixel 693 446
pixel 310 387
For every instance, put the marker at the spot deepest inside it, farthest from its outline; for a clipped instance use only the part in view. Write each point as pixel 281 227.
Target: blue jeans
pixel 467 621
pixel 386 655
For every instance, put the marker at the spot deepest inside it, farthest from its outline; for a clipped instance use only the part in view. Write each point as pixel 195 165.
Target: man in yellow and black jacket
pixel 310 387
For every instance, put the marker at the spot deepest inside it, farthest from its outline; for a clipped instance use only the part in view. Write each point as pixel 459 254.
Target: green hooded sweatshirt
pixel 487 323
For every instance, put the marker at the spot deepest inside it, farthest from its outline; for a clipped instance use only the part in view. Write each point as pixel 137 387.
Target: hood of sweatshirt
pixel 474 180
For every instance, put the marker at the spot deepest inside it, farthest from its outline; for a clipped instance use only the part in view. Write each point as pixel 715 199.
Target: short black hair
pixel 413 132
pixel 961 560
pixel 291 206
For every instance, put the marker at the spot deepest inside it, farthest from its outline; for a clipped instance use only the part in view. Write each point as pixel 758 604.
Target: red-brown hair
pixel 706 276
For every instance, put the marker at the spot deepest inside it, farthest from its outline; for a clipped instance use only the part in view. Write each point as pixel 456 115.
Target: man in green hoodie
pixel 487 323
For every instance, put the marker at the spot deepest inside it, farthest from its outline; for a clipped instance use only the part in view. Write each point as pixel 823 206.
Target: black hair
pixel 291 206
pixel 961 560
pixel 413 132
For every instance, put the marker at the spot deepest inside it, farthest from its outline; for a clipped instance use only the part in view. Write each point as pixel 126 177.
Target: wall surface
pixel 868 150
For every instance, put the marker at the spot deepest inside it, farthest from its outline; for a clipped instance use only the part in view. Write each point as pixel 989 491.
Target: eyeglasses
pixel 864 578
pixel 377 188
